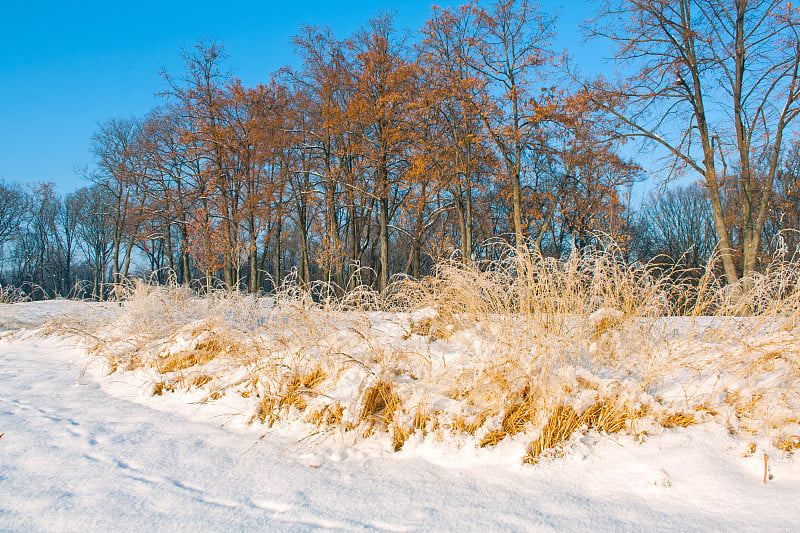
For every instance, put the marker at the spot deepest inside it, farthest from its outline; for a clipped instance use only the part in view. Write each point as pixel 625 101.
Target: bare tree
pixel 510 50
pixel 714 83
pixel 682 225
pixel 13 207
pixel 464 155
pixel 782 230
pixel 95 228
pixel 119 161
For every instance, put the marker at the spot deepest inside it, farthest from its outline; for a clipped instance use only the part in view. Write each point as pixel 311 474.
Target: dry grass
pixel 561 424
pixel 674 420
pixel 528 348
pixel 379 405
pixel 517 416
pixel 564 421
pixel 788 443
pixel 299 387
pixel 11 295
pixel 203 353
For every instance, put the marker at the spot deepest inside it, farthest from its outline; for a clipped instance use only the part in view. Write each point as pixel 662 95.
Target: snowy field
pixel 83 448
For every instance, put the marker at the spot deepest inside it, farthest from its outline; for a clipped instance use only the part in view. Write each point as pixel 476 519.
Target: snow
pixel 84 450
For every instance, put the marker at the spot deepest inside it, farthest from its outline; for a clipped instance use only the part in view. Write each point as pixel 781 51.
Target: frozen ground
pixel 82 451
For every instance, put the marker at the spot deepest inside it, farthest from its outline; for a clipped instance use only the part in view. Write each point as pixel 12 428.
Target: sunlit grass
pixel 528 347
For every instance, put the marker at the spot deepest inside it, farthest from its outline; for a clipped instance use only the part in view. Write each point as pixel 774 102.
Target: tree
pixel 95 229
pixel 326 85
pixel 510 49
pixel 169 189
pixel 199 98
pixel 714 83
pixel 119 164
pixel 584 172
pixel 782 230
pixel 265 141
pixel 67 240
pixel 682 226
pixel 457 94
pixel 382 108
pixel 13 207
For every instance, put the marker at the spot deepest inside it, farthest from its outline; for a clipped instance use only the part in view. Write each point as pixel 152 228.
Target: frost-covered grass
pixel 10 295
pixel 522 355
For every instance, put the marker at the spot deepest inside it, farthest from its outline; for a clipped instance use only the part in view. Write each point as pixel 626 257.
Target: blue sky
pixel 67 66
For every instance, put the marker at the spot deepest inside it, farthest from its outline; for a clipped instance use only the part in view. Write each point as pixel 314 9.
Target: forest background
pixel 384 151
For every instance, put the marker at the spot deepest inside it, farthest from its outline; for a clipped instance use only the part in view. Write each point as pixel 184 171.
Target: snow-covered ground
pixel 81 450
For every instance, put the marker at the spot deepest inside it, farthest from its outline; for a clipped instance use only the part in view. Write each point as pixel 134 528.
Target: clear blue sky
pixel 67 66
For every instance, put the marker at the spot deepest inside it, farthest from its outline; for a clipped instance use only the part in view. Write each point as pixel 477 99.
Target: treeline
pixel 385 152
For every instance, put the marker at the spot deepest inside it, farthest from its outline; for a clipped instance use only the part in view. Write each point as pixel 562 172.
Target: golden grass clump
pixel 517 416
pixel 379 403
pixel 561 424
pixel 200 381
pixel 299 386
pixel 788 443
pixel 674 420
pixel 329 415
pixel 160 387
pixel 608 417
pixel 470 424
pixel 201 354
pixel 564 421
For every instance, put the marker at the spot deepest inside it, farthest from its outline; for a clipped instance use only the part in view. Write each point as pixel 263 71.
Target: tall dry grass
pixel 526 348
pixel 11 295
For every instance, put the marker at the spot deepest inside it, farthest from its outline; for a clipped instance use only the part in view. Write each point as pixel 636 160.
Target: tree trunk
pixel 168 250
pixel 305 274
pixel 335 267
pixel 186 273
pixel 253 262
pixel 384 243
pixel 278 252
pixel 726 247
pixel 467 240
pixel 516 201
pixel 127 261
